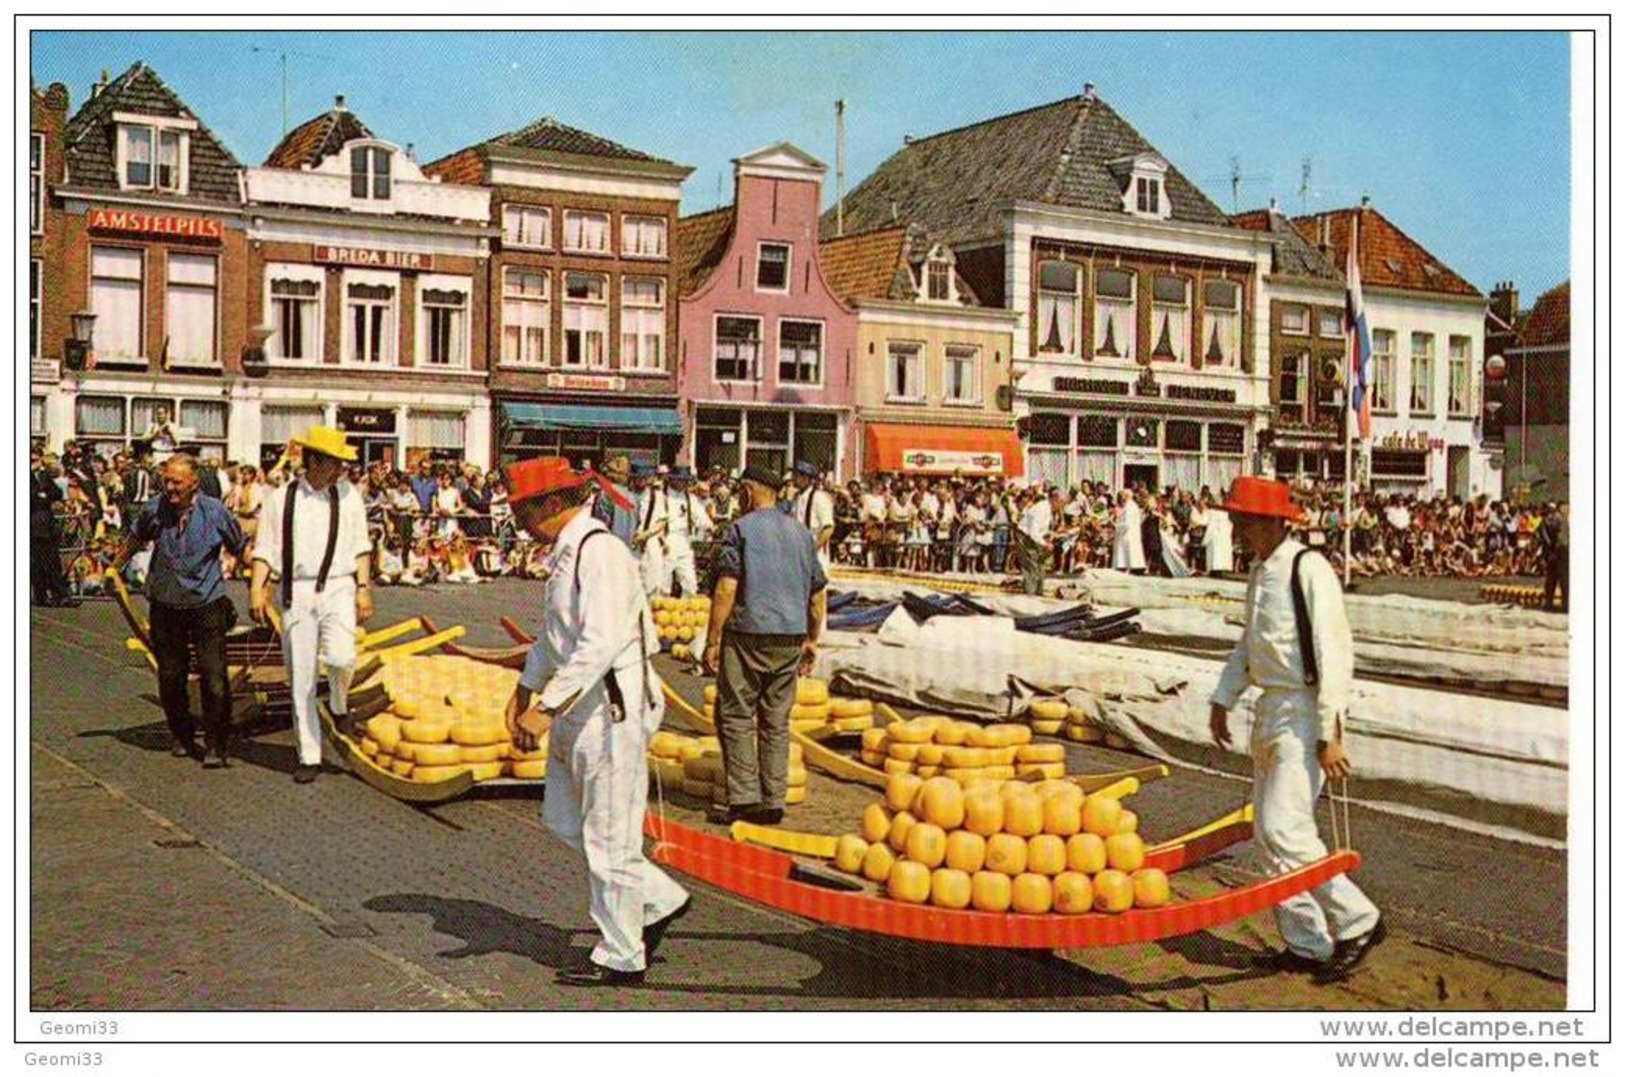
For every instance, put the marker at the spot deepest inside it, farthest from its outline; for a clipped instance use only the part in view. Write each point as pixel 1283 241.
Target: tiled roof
pixel 549 134
pixel 700 243
pixel 1294 256
pixel 1388 257
pixel 1549 320
pixel 317 139
pixel 91 137
pixel 864 266
pixel 954 182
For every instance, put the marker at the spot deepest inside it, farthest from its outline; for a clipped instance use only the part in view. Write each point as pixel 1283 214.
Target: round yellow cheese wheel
pixel 796 794
pixel 1150 888
pixel 1063 815
pixel 849 853
pixel 405 750
pixel 952 734
pixel 872 758
pixel 1114 891
pixel 383 761
pixel 851 708
pixel 908 881
pixel 930 755
pixel 401 768
pixel 1002 756
pixel 861 723
pixel 811 691
pixel 1045 770
pixel 1031 893
pixel 1125 852
pixel 909 733
pixel 1128 822
pixel 926 844
pixel 484 772
pixel 901 790
pixel 1048 709
pixel 1023 815
pixel 1049 727
pixel 795 775
pixel 436 773
pixel 965 851
pixel 877 862
pixel 1073 893
pixel 477 734
pixel 528 768
pixel 965 776
pixel 1010 734
pixel 404 706
pixel 665 744
pixel 990 891
pixel 1086 853
pixel 1100 814
pixel 874 740
pixel 897 766
pixel 965 757
pixel 426 730
pixel 999 773
pixel 941 801
pixel 877 824
pixel 984 812
pixel 710 694
pixel 809 712
pixel 1041 753
pixel 1007 854
pixel 1084 734
pixel 901 824
pixel 369 747
pixel 689 749
pixel 950 888
pixel 385 729
pixel 908 753
pixel 437 755
pixel 1046 854
pixel 482 754
pixel 926 771
pixel 686 633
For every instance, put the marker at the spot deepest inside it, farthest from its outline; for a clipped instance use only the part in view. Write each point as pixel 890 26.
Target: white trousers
pixel 318 627
pixel 679 568
pixel 1286 782
pixel 597 789
pixel 652 567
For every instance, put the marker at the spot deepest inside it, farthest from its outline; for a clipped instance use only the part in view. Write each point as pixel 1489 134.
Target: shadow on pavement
pixel 883 969
pixel 155 737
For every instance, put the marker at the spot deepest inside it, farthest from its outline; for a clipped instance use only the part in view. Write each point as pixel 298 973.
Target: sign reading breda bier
pixel 373 259
pixel 155 224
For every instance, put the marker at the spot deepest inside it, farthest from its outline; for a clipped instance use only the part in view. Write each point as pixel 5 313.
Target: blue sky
pixel 1462 139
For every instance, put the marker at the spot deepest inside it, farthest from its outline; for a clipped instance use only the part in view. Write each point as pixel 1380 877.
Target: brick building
pixel 47 310
pixel 1531 397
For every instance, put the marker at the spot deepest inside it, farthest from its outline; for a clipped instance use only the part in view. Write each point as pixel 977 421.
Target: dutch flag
pixel 1359 334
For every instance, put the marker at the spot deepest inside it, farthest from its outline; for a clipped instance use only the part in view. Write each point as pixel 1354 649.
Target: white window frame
pixel 36 182
pixel 153 125
pixel 141 306
pixel 1287 328
pixel 515 237
pixel 374 153
pixel 1329 317
pixel 439 282
pixel 1180 311
pixel 389 350
pixel 1300 399
pixel 1382 370
pixel 579 218
pixel 635 227
pixel 1129 348
pixel 778 353
pixel 1148 195
pixel 914 350
pixel 172 287
pixel 275 346
pixel 1074 300
pixel 974 356
pixel 636 359
pixel 601 304
pixel 36 307
pixel 1426 358
pixel 789 261
pixel 1461 362
pixel 1214 313
pixel 531 306
pixel 756 363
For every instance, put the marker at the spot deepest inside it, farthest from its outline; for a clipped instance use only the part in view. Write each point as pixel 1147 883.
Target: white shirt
pixel 1036 520
pixel 874 507
pixel 588 630
pixel 686 516
pixel 820 514
pixel 1268 653
pixel 310 518
pixel 654 508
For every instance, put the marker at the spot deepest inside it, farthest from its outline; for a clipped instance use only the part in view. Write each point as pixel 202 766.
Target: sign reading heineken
pixel 609 383
pixel 373 259
pixel 1099 386
pixel 1206 393
pixel 969 463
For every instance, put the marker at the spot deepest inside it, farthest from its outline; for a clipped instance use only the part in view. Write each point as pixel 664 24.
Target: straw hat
pixel 1253 496
pixel 328 442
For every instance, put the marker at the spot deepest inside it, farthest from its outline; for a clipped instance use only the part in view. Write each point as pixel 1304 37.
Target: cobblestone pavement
pixel 158 885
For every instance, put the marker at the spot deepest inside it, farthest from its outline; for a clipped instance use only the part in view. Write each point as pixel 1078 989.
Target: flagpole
pixel 1348 427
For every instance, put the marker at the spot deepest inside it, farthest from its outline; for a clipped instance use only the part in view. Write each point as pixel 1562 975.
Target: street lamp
pixel 81 333
pixel 254 351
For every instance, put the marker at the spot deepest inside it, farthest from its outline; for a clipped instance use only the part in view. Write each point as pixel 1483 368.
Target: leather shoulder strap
pixel 1306 630
pixel 332 537
pixel 287 544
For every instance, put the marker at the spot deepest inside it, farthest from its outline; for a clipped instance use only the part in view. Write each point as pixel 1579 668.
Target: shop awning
pixel 942 450
pixel 531 416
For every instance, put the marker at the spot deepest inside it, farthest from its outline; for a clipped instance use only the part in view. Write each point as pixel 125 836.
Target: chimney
pixel 1365 201
pixel 1504 301
pixel 338 103
pixel 1088 91
pixel 96 88
pixel 1275 207
pixel 908 140
pixel 411 152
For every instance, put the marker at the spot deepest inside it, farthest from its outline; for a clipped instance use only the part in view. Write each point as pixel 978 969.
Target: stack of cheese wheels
pixel 815 709
pixel 933 745
pixel 446 715
pixel 681 623
pixel 694 765
pixel 1003 847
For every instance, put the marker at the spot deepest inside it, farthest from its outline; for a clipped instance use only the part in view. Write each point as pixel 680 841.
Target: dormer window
pixel 1147 195
pixel 938 283
pixel 1144 183
pixel 152 154
pixel 369 172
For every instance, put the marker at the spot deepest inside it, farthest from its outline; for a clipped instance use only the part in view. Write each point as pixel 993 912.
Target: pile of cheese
pixel 1054 717
pixel 681 623
pixel 694 765
pixel 815 711
pixel 1003 847
pixel 446 715
pixel 933 745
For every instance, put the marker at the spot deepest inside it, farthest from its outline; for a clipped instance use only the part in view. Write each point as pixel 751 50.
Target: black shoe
pixel 1288 961
pixel 764 816
pixel 347 726
pixel 67 602
pixel 727 815
pixel 655 933
pixel 306 773
pixel 1349 953
pixel 599 976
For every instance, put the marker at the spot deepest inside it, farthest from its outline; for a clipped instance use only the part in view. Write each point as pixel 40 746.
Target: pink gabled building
pixel 767 348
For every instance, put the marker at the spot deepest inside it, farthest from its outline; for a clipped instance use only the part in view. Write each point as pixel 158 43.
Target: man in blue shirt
pixel 767 616
pixel 187 603
pixel 424 485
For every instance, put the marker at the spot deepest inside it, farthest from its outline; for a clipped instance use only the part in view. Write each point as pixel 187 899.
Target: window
pixel 739 348
pixel 1097 431
pixel 1331 322
pixel 206 419
pixel 526 316
pixel 169 160
pixel 801 352
pixel 643 236
pixel 296 311
pixel 938 278
pixel 369 172
pixel 1170 318
pixel 442 337
pixel 643 323
pixel 1422 373
pixel 586 231
pixel 370 317
pixel 98 416
pixel 586 319
pixel 36 417
pixel 429 430
pixel 962 382
pixel 35 272
pixel 152 156
pixel 138 156
pixel 905 373
pixel 1114 314
pixel 1294 385
pixel 1461 377
pixel 1382 370
pixel 1221 316
pixel 1148 196
pixel 36 182
pixel 1328 385
pixel 1058 307
pixel 1295 319
pixel 1140 432
pixel 527 226
pixel 1049 428
pixel 189 310
pixel 115 297
pixel 773 267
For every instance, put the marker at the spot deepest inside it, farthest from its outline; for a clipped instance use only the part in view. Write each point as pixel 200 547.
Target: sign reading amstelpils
pixel 156 224
pixel 373 259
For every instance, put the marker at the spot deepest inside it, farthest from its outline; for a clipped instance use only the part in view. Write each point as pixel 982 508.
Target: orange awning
pixel 942 450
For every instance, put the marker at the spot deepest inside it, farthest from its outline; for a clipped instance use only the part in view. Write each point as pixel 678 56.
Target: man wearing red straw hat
pixel 589 685
pixel 1297 647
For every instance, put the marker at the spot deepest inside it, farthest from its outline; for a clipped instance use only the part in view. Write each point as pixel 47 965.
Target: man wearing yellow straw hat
pixel 314 531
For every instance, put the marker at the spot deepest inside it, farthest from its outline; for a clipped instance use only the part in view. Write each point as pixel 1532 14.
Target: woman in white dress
pixel 1128 549
pixel 448 505
pixel 1216 542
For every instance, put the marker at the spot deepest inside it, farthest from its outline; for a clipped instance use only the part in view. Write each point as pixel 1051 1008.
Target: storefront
pixel 973 451
pixel 114 414
pixel 776 438
pixel 399 435
pixel 1137 448
pixel 649 431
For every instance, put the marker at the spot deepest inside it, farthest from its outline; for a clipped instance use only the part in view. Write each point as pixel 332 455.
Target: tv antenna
pixel 282 55
pixel 1236 179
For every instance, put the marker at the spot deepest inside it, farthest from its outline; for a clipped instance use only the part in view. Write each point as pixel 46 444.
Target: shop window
pixel 643 323
pixel 1058 305
pixel 643 237
pixel 587 232
pixel 526 316
pixel 1461 377
pixel 296 312
pixel 430 432
pixel 1293 388
pixel 962 375
pixel 370 320
pixel 116 298
pixel 1183 436
pixel 801 352
pixel 1049 428
pixel 36 417
pixel 443 322
pixel 1141 432
pixel 738 349
pixel 206 419
pixel 98 417
pixel 586 319
pixel 527 226
pixel 1170 318
pixel 813 439
pixel 1328 386
pixel 1114 314
pixel 1421 373
pixel 1382 370
pixel 1295 319
pixel 1221 323
pixel 905 373
pixel 279 423
pixel 1398 464
pixel 369 172
pixel 1097 431
pixel 1228 439
pixel 773 267
pixel 190 310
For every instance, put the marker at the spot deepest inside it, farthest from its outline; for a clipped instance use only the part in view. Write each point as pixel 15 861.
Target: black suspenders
pixel 287 542
pixel 1306 631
